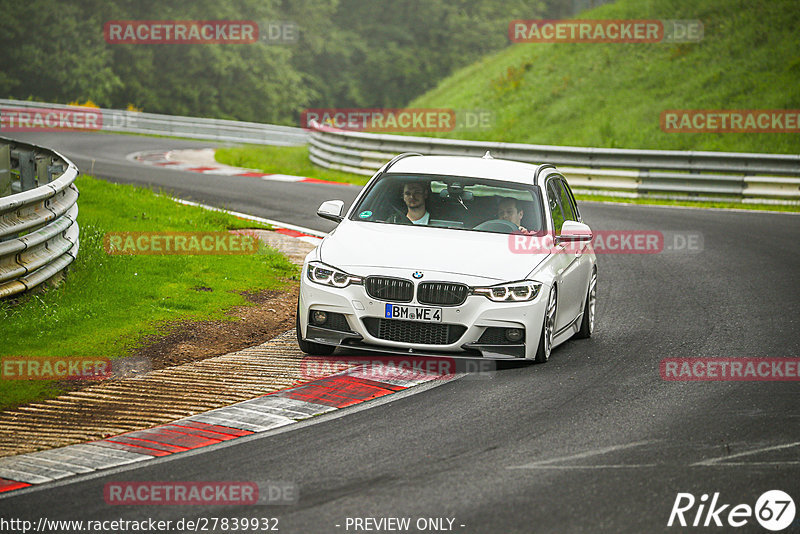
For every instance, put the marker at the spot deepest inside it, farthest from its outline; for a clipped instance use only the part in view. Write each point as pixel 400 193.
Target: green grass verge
pixel 291 160
pixel 108 304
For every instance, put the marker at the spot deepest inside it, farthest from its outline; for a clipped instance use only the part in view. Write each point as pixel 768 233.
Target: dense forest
pixel 349 53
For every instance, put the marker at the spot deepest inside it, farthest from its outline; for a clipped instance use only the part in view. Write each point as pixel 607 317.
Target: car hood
pixel 358 247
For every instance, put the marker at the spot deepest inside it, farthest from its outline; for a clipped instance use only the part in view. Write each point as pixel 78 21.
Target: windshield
pixel 470 204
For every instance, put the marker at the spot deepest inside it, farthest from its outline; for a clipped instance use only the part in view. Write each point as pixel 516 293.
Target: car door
pixel 572 265
pixel 582 266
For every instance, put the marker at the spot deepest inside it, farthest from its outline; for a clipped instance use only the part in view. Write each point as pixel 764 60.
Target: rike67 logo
pixel 774 510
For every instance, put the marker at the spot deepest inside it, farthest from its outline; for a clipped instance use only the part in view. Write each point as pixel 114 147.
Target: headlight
pixel 521 291
pixel 330 276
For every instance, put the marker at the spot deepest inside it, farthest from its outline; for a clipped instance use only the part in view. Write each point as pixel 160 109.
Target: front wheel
pixel 587 324
pixel 548 327
pixel 315 349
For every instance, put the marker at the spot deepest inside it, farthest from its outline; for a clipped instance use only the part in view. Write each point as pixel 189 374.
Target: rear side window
pixel 562 203
pixel 567 207
pixel 554 202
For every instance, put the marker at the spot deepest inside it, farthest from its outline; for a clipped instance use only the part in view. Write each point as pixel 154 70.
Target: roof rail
pixel 539 170
pixel 398 158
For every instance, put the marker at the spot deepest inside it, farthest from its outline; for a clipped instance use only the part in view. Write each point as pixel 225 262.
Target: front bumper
pixel 474 316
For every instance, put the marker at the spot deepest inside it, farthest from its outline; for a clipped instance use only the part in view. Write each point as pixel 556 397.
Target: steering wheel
pixel 497 225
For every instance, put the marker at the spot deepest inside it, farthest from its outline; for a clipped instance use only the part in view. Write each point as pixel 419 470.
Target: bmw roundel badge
pixel 417 275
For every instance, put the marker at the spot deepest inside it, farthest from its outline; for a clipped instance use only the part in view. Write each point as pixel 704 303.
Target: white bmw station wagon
pixel 451 256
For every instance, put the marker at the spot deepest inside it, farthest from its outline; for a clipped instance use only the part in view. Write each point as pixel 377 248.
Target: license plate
pixel 413 313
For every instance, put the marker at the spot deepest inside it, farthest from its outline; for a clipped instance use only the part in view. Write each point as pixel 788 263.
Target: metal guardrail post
pixel 42 176
pixel 54 170
pixel 39 234
pixel 5 170
pixel 27 169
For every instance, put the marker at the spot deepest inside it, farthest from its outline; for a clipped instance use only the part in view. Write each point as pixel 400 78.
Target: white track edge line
pixel 255 218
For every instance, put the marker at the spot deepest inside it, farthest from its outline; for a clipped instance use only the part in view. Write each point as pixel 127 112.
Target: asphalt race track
pixel 593 441
pixel 103 155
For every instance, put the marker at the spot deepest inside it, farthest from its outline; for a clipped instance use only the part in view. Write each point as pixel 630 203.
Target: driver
pixel 509 209
pixel 415 195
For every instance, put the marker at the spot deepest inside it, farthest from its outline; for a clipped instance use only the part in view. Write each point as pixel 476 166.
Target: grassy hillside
pixel 611 95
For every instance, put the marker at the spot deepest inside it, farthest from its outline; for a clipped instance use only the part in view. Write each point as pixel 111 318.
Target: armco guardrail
pixel 38 212
pixel 619 172
pixel 744 177
pixel 113 120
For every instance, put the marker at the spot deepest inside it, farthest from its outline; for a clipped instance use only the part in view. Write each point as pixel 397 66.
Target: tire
pixel 315 349
pixel 548 327
pixel 589 310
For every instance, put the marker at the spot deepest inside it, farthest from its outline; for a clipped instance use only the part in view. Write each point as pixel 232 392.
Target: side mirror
pixel 575 231
pixel 331 210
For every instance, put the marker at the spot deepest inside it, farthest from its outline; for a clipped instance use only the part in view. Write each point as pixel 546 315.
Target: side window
pixel 567 206
pixel 553 199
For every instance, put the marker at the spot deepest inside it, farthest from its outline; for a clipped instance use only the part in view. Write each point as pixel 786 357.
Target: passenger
pixel 415 195
pixel 508 209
